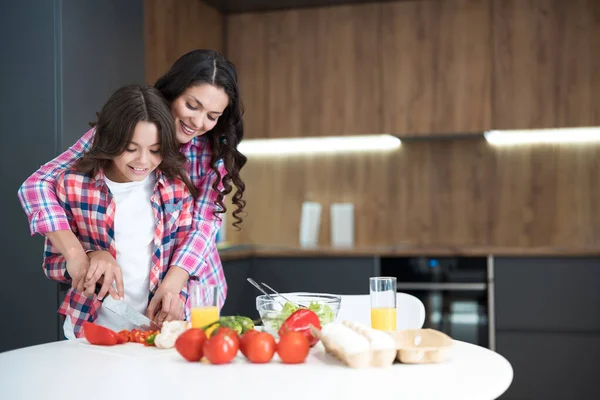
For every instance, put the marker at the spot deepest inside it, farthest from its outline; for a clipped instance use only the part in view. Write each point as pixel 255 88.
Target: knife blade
pixel 129 313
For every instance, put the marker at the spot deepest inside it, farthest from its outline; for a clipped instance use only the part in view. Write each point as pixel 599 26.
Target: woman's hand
pixel 166 304
pixel 103 265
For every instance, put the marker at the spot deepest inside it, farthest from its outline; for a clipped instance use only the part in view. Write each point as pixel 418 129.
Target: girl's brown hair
pixel 116 125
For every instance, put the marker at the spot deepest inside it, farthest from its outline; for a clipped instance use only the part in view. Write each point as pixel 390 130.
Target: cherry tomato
pixel 221 347
pixel 244 340
pixel 260 348
pixel 293 347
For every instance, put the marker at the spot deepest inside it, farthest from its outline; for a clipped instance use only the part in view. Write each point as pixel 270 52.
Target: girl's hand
pixel 103 265
pixel 77 267
pixel 165 306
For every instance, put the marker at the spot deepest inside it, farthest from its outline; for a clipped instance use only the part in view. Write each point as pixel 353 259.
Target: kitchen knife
pixel 129 313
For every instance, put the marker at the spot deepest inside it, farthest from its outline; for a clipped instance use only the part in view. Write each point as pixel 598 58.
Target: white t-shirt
pixel 134 227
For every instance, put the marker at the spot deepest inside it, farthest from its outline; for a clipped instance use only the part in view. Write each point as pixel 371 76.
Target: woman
pixel 129 196
pixel 203 92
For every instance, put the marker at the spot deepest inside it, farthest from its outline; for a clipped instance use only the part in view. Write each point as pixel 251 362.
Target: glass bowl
pixel 273 313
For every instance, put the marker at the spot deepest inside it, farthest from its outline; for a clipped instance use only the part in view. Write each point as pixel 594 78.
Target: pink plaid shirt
pixel 90 210
pixel 197 254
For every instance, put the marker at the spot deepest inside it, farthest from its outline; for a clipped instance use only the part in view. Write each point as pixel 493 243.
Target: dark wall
pixel 60 62
pixel 103 49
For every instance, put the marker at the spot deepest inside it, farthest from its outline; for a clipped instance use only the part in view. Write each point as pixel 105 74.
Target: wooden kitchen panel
pixel 546 63
pixel 247 45
pixel 436 67
pixel 174 27
pixel 461 192
pixel 309 72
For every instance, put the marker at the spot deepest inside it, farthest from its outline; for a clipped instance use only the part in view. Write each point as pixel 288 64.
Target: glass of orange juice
pixel 204 306
pixel 383 303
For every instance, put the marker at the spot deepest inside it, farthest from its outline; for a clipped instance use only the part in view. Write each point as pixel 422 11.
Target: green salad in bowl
pixel 275 310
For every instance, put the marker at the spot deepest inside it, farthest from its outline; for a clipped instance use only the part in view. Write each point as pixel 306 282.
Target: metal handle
pixel 256 285
pixel 279 294
pixel 441 286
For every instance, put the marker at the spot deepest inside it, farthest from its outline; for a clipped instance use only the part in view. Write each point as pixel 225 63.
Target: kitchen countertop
pixel 236 252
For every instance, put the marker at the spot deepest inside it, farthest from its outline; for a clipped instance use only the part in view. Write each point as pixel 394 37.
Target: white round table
pixel 75 369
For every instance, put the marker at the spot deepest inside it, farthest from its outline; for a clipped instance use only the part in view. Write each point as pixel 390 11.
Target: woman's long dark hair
pixel 210 67
pixel 116 125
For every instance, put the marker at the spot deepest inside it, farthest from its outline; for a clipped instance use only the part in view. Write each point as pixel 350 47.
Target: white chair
pixel 411 311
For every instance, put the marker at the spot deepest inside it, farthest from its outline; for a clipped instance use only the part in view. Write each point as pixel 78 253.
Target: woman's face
pixel 197 110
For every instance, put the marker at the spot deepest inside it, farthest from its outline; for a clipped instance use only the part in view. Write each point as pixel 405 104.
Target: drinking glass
pixel 204 307
pixel 383 303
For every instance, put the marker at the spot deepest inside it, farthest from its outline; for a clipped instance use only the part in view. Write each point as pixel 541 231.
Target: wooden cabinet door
pixel 546 63
pixel 436 65
pixel 308 72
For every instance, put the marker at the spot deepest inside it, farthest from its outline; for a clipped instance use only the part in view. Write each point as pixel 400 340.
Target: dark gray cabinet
pixel 548 325
pixel 551 366
pixel 337 275
pixel 548 294
pixel 60 61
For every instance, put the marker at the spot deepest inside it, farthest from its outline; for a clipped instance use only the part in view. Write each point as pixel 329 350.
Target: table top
pixel 75 369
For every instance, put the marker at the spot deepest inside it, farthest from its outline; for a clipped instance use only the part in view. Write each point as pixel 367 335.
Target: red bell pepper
pixel 99 335
pixel 300 321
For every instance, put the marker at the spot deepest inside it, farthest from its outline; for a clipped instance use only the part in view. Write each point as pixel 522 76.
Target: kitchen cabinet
pixel 406 68
pixel 546 63
pixel 548 325
pixel 61 64
pixel 174 27
pixel 551 365
pixel 436 67
pixel 308 72
pixel 240 293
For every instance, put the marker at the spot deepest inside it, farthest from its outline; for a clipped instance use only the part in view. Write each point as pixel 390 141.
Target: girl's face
pixel 140 158
pixel 197 111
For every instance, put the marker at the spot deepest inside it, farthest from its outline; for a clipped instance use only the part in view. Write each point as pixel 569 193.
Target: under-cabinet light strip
pixel 557 135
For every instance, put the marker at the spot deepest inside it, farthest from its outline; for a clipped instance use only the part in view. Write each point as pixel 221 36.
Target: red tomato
pixel 190 344
pixel 99 335
pixel 222 347
pixel 293 347
pixel 260 348
pixel 244 340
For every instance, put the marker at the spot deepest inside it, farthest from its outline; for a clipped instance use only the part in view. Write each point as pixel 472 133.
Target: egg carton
pixel 357 345
pixel 422 346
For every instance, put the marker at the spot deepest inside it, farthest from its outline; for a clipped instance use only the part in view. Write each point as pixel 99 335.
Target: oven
pixel 457 293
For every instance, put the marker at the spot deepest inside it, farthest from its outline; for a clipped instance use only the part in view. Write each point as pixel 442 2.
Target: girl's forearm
pixel 67 243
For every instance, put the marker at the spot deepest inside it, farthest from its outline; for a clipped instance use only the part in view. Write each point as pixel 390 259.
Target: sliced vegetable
pixel 150 339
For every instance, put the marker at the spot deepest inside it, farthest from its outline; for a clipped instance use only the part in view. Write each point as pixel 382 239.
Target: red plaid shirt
pixel 197 253
pixel 90 209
